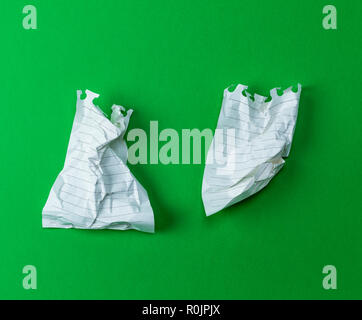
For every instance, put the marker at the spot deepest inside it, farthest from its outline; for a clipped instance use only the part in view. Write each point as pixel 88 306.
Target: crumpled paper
pixel 95 189
pixel 251 139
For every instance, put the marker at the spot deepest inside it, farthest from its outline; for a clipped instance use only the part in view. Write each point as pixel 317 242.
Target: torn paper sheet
pixel 252 137
pixel 95 189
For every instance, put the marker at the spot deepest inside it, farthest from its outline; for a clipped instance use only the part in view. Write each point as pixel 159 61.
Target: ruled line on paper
pixel 250 104
pixel 95 191
pixel 89 218
pixel 252 116
pixel 241 129
pixel 115 200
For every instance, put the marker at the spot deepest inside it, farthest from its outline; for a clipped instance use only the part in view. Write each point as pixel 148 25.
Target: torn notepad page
pixel 252 137
pixel 95 189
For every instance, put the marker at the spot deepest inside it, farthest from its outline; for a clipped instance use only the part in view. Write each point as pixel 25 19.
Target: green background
pixel 171 61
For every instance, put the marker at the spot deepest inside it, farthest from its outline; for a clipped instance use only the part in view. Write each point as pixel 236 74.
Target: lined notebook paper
pixel 251 139
pixel 95 189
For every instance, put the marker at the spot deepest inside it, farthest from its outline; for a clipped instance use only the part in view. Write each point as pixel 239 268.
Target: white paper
pixel 249 144
pixel 95 189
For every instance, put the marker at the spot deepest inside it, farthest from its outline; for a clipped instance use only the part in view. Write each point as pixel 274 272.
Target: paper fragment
pixel 95 189
pixel 251 139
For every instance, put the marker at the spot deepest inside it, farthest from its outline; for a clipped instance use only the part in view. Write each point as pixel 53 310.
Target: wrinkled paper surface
pixel 252 137
pixel 95 189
